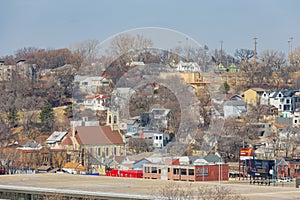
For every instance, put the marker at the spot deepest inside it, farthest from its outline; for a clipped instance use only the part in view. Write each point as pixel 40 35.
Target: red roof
pixel 67 141
pixel 99 135
pixel 97 97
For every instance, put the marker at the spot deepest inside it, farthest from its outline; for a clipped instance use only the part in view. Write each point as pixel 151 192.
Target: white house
pixel 97 102
pixel 91 83
pixel 160 139
pixel 284 100
pixel 296 118
pixel 187 66
pixel 56 138
pixel 234 108
pixel 160 118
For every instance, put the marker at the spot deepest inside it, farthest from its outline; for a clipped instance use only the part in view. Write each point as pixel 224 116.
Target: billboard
pixel 259 167
pixel 246 153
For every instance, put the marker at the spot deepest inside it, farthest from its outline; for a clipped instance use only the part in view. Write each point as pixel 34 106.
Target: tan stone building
pixel 252 95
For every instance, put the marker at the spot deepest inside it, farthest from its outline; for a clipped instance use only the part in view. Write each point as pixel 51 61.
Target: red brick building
pixel 209 172
pixel 288 167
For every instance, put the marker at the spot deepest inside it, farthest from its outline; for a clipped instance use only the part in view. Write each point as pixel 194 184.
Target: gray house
pixel 234 108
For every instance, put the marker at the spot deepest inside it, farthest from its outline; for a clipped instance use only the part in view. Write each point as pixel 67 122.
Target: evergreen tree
pixel 47 117
pixel 13 117
pixel 225 88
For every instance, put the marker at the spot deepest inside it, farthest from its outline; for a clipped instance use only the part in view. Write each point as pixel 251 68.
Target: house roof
pixel 285 93
pixel 98 135
pixel 234 103
pixel 117 159
pixel 230 96
pixel 71 165
pixel 258 89
pixel 56 136
pixel 33 144
pixel 285 121
pixel 74 165
pixel 96 161
pixel 160 111
pixel 126 91
pixel 140 156
pixel 128 121
pixel 211 158
pixel 44 168
pixel 281 125
pixel 97 97
pixel 67 141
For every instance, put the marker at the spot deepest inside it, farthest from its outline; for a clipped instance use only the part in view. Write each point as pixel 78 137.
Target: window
pixel 99 151
pixel 287 101
pixel 160 137
pixel 286 107
pixel 68 158
pixel 296 121
pixel 153 170
pixel 115 119
pixel 109 119
pixel 45 158
pixel 183 171
pixel 85 83
pixel 106 152
pixel 147 169
pixel 115 150
pixel 279 95
pixel 202 172
pixel 191 172
pixel 176 171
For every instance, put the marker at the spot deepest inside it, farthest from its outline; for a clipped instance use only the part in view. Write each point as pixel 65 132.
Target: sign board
pixel 259 167
pixel 246 153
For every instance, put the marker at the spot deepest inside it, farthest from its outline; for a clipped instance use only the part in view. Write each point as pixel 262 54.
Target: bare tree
pixel 25 52
pixel 204 107
pixel 29 123
pixel 243 54
pixel 291 141
pixel 123 43
pixel 273 59
pixel 88 49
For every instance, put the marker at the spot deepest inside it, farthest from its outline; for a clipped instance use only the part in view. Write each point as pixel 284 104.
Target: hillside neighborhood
pixel 180 119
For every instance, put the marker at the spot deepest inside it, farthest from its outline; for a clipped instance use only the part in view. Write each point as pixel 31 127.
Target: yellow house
pixel 252 95
pixel 195 79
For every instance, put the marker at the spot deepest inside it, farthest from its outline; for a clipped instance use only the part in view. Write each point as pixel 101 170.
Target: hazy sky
pixel 61 23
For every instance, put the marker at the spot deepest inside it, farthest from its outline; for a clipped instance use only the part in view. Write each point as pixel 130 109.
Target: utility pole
pixel 221 52
pixel 291 40
pixel 187 49
pixel 255 43
pixel 290 49
pixel 289 52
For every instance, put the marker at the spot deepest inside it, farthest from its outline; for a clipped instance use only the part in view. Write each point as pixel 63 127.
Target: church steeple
pixel 113 120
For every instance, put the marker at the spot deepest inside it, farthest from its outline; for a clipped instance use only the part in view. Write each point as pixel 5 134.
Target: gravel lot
pixel 142 187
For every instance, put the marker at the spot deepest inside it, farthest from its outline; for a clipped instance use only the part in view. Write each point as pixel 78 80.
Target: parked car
pixel 285 179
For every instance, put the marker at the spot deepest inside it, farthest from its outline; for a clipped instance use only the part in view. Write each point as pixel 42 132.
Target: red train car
pixel 125 173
